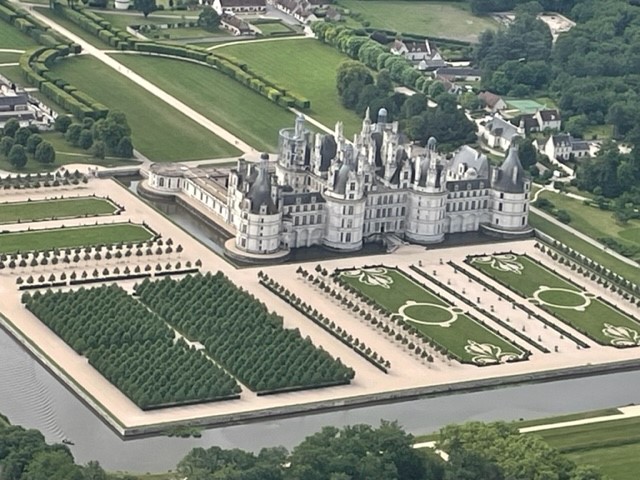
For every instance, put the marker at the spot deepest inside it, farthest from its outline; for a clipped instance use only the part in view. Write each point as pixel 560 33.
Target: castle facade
pixel 328 191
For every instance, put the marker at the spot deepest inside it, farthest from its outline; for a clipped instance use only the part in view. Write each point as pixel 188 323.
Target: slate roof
pixel 491 99
pixel 549 115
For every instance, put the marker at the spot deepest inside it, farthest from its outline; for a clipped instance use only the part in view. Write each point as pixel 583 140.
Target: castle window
pixel 526 196
pixel 296 221
pixel 352 186
pixel 484 204
pixel 502 195
pixel 402 211
pixel 523 220
pixel 312 218
pixel 406 175
pixel 500 207
pixel 243 242
pixel 481 185
pixel 161 182
pixel 473 205
pixel 348 237
pixel 244 228
pixel 497 221
pixel 351 196
pixel 350 210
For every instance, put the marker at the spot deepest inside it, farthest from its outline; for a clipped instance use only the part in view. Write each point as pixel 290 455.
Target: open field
pixel 524 105
pixel 306 67
pixel 9 57
pixel 72 237
pixel 612 446
pixel 268 28
pixel 398 293
pixel 59 208
pixel 13 73
pixel 223 100
pixel 595 222
pixel 159 131
pixel 437 19
pixel 630 272
pixel 564 300
pixel 11 37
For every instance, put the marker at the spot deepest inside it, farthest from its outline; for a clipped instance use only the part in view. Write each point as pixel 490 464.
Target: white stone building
pixel 327 191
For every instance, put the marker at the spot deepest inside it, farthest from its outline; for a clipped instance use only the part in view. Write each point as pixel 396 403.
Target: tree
pixel 62 123
pixel 45 153
pixel 527 153
pixel 32 142
pixel 18 156
pixel 208 19
pixel 125 148
pixel 111 130
pixel 98 150
pixel 351 72
pixel 52 465
pixel 11 127
pixel 73 134
pixel 5 145
pixel 145 6
pixel 85 140
pixel 22 135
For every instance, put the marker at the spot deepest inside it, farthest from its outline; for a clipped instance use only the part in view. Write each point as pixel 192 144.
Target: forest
pixel 240 333
pixel 132 347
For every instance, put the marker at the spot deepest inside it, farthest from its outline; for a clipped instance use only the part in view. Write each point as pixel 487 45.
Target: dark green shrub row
pixel 26 23
pixel 35 66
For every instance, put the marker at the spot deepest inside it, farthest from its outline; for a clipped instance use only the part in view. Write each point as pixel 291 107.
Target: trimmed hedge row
pixel 228 65
pixel 35 66
pixel 29 25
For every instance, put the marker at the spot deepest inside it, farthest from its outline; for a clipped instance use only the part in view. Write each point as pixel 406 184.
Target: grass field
pixel 612 446
pixel 70 237
pixel 223 100
pixel 437 19
pixel 159 131
pixel 13 73
pixel 395 291
pixel 566 301
pixel 306 67
pixel 630 272
pixel 11 37
pixel 268 28
pixel 525 105
pixel 9 57
pixel 594 222
pixel 60 208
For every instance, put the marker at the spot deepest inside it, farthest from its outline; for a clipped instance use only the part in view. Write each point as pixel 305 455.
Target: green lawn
pixel 70 237
pixel 159 131
pixel 268 28
pixel 594 222
pixel 437 19
pixel 9 57
pixel 13 73
pixel 11 37
pixel 612 446
pixel 599 132
pixel 630 272
pixel 392 289
pixel 123 21
pixel 525 277
pixel 243 112
pixel 49 209
pixel 306 67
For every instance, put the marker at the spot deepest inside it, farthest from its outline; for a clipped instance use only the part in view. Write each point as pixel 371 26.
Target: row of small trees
pixel 329 325
pixel 18 143
pixel 131 346
pixel 241 334
pixel 591 269
pixel 106 274
pixel 42 180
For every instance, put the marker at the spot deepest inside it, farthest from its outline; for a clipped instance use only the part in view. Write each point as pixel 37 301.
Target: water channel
pixel 31 397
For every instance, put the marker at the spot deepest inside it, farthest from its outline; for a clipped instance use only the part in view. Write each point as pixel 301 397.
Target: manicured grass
pixel 401 289
pixel 612 446
pixel 13 73
pixel 124 20
pixel 72 237
pixel 630 272
pixel 9 57
pixel 600 132
pixel 243 112
pixel 306 67
pixel 594 222
pixel 525 277
pixel 61 208
pixel 539 421
pixel 525 105
pixel 273 27
pixel 160 132
pixel 11 37
pixel 437 19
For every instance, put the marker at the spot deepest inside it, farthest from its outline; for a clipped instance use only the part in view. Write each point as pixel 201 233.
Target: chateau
pixel 328 191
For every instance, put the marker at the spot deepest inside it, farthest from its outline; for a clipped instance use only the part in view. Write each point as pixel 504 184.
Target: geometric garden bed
pixel 438 320
pixel 562 298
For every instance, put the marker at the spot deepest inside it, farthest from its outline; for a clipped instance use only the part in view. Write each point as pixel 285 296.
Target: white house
pixel 563 147
pixel 499 133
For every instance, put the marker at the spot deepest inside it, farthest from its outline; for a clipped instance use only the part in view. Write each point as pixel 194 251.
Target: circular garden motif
pixel 562 298
pixel 428 313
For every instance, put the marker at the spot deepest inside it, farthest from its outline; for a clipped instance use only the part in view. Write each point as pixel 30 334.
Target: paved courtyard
pixel 407 371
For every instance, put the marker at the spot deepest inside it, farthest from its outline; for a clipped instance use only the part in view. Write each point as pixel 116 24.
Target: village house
pixel 301 10
pixel 424 54
pixel 235 24
pixel 14 104
pixel 564 147
pixel 244 6
pixel 499 133
pixel 467 74
pixel 493 103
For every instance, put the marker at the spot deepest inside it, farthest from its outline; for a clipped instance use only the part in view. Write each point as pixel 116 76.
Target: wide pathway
pixel 147 85
pixel 258 40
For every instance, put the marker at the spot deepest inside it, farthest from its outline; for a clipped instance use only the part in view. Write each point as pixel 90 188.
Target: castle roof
pixel 511 176
pixel 342 177
pixel 260 192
